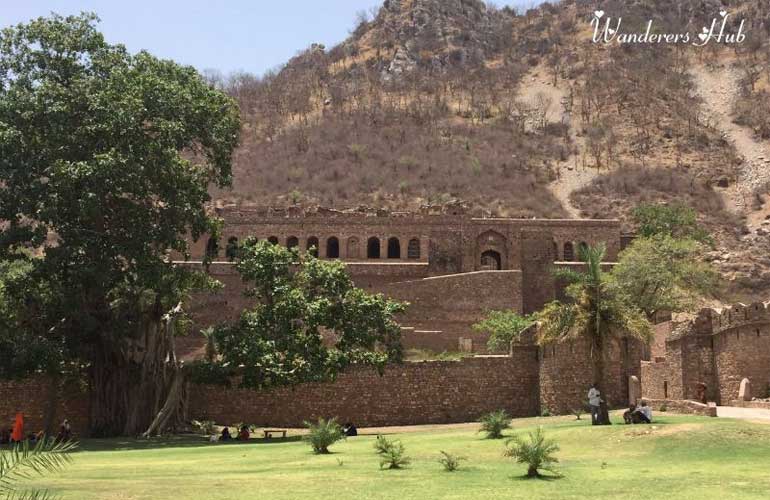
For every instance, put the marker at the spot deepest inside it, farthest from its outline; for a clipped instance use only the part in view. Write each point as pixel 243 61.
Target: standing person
pixel 594 402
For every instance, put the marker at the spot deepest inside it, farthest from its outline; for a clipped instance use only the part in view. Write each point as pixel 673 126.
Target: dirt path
pixel 719 87
pixel 535 86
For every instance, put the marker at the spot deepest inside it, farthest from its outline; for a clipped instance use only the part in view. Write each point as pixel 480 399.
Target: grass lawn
pixel 682 457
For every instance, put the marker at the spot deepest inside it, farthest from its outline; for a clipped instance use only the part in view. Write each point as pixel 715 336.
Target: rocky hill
pixel 521 114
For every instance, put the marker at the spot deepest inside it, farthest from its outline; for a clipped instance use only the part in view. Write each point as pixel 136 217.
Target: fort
pixel 452 268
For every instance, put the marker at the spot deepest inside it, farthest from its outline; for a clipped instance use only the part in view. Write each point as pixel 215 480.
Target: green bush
pixel 493 424
pixel 545 412
pixel 536 453
pixel 323 434
pixel 391 453
pixel 450 462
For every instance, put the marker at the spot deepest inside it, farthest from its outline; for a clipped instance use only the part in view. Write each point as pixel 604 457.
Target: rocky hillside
pixel 521 114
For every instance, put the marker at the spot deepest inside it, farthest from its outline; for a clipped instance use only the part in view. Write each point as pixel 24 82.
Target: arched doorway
pixel 569 252
pixel 313 246
pixel 394 248
pixel 353 252
pixel 491 261
pixel 332 248
pixel 292 242
pixel 373 248
pixel 413 251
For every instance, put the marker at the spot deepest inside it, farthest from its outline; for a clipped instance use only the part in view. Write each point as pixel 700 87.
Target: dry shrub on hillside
pixel 617 193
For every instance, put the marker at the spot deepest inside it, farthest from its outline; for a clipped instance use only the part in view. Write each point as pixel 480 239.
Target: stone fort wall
pixel 717 349
pixel 443 264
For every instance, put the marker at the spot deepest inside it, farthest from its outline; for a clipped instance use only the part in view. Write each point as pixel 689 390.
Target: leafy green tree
pixel 675 220
pixel 661 273
pixel 309 321
pixel 598 311
pixel 106 159
pixel 21 462
pixel 503 328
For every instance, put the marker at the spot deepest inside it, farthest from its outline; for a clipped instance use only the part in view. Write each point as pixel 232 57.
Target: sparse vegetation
pixel 450 462
pixel 503 328
pixel 537 452
pixel 493 424
pixel 392 453
pixel 322 434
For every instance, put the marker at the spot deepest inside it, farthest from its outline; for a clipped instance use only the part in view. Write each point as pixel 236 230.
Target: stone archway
pixel 491 261
pixel 492 252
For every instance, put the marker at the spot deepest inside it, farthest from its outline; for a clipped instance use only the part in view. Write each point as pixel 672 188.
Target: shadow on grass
pixel 182 441
pixel 541 477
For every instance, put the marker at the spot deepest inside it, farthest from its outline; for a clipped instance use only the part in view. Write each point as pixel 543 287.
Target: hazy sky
pixel 228 35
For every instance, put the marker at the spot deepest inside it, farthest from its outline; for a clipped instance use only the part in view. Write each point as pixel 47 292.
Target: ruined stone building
pixel 452 268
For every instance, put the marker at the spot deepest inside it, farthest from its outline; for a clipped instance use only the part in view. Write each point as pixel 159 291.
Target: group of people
pixel 600 415
pixel 16 433
pixel 243 434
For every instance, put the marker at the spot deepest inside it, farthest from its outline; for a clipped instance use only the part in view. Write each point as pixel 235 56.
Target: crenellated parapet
pixel 710 321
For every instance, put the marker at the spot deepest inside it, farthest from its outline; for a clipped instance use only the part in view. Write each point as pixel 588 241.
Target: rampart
pixel 707 358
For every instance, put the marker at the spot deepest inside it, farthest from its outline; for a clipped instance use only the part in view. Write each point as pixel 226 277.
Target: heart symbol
pixel 703 36
pixel 705 30
pixel 723 13
pixel 611 31
pixel 599 14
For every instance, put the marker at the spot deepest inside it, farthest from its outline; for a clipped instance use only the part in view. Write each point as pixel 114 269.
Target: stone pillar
pixel 744 394
pixel 634 390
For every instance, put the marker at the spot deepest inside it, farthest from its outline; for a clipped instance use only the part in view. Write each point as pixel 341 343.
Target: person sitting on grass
pixel 645 413
pixel 349 430
pixel 243 434
pixel 628 416
pixel 225 436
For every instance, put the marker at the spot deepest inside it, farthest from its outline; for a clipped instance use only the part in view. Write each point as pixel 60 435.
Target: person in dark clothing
pixel 225 436
pixel 349 430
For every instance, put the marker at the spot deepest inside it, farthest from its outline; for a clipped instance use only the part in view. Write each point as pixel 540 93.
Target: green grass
pixel 683 458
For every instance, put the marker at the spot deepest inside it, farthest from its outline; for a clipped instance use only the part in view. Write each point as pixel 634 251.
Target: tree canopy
pixel 308 323
pixel 662 273
pixel 503 328
pixel 674 220
pixel 106 158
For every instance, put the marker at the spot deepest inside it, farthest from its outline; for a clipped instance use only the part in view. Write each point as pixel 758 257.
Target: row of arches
pixel 375 249
pixel 571 252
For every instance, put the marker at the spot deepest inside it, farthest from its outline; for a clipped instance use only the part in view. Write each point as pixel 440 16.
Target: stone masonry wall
pixel 414 393
pixel 33 396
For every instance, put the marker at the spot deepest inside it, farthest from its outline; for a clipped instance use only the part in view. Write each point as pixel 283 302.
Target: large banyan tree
pixel 106 158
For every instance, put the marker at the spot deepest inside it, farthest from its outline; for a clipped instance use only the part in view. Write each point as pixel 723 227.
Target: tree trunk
pixel 138 388
pixel 597 354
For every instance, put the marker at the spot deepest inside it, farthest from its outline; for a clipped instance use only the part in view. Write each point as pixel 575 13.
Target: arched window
pixel 353 249
pixel 555 252
pixel 582 249
pixel 569 252
pixel 332 248
pixel 491 261
pixel 373 248
pixel 394 248
pixel 313 246
pixel 292 242
pixel 413 250
pixel 273 240
pixel 232 249
pixel 212 248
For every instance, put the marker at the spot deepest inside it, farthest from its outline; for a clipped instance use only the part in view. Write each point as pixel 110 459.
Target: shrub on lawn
pixel 536 453
pixel 495 423
pixel 323 434
pixel 450 462
pixel 391 453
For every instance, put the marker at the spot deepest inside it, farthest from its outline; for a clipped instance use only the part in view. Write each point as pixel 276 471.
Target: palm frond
pixel 23 462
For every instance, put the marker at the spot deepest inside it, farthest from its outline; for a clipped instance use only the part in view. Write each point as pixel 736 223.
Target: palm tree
pixel 21 462
pixel 597 311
